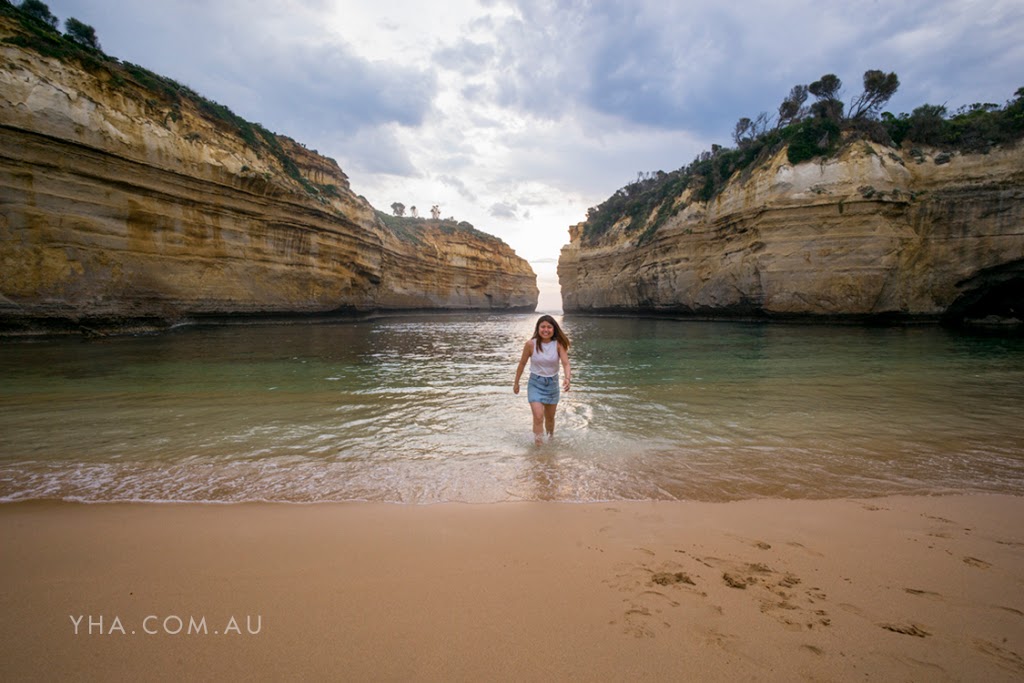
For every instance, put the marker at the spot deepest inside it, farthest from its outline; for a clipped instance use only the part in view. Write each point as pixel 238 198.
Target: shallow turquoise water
pixel 420 409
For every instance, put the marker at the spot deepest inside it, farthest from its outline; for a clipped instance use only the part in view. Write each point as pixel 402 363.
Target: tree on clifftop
pixel 38 10
pixel 398 208
pixel 792 108
pixel 747 131
pixel 81 33
pixel 828 106
pixel 879 87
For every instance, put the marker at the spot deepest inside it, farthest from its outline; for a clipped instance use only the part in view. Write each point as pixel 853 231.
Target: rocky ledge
pixel 873 233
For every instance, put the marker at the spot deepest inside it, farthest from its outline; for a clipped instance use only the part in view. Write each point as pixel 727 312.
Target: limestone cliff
pixel 873 232
pixel 125 197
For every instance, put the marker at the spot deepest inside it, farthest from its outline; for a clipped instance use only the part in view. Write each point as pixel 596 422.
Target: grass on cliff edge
pixel 408 228
pixel 653 198
pixel 163 93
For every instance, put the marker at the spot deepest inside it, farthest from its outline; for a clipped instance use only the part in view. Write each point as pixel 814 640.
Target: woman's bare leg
pixel 549 418
pixel 538 410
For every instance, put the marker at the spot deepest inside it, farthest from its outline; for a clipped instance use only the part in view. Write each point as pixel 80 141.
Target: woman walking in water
pixel 548 347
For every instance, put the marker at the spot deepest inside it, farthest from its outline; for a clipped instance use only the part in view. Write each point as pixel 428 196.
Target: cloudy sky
pixel 519 115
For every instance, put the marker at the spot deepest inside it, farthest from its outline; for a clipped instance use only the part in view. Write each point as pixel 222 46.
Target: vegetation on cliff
pixel 408 228
pixel 37 30
pixel 820 129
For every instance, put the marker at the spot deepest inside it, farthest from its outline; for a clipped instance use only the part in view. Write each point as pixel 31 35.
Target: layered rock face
pixel 119 204
pixel 876 232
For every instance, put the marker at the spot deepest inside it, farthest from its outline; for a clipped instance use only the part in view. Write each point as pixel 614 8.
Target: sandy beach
pixel 899 588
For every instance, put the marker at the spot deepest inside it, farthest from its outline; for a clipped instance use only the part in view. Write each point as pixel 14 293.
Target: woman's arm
pixel 564 356
pixel 527 351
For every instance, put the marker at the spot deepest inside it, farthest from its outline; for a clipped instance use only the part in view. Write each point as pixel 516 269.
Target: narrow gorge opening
pixel 550 296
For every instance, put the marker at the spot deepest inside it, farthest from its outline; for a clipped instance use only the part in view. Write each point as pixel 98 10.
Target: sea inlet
pixel 420 409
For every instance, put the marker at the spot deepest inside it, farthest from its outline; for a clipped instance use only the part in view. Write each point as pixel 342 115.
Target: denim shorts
pixel 542 389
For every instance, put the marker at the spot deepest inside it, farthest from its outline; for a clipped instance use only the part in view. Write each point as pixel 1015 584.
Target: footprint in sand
pixel 975 562
pixel 939 519
pixel 733 581
pixel 852 609
pixel 660 598
pixel 778 595
pixel 907 629
pixel 801 546
pixel 1011 610
pixel 788 581
pixel 670 578
pixel 647 609
pixel 747 575
pixel 760 545
pixel 637 620
pixel 643 615
pixel 1007 658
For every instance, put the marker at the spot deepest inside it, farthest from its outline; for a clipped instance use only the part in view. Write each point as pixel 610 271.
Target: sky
pixel 518 116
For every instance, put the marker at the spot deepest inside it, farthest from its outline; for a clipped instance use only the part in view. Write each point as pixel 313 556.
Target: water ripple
pixel 420 410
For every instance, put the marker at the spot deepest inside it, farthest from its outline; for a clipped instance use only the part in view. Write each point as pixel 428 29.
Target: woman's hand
pixel 565 384
pixel 527 352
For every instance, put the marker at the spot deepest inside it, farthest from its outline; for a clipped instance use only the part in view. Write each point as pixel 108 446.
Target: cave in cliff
pixel 995 295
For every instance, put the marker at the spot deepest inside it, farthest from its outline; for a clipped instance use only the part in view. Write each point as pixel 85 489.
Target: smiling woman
pixel 545 350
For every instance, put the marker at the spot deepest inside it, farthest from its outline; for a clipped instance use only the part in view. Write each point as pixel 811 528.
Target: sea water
pixel 420 409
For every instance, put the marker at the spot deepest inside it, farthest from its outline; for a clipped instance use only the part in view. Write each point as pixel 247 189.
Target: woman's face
pixel 546 330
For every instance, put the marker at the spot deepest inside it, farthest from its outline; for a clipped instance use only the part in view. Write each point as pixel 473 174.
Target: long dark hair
pixel 558 336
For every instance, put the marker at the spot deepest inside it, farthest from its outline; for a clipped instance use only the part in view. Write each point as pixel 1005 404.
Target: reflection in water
pixel 420 409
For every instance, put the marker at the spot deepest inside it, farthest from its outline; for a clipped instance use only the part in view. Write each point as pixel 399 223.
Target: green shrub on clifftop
pixel 811 138
pixel 820 130
pixel 409 229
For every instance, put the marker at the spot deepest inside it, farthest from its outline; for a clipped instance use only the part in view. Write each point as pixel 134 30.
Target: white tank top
pixel 544 361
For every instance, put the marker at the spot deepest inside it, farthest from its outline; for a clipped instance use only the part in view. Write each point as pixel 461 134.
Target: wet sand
pixel 899 588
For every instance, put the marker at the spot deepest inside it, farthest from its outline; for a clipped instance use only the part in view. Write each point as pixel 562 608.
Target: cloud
pixel 467 57
pixel 504 210
pixel 952 53
pixel 269 62
pixel 700 66
pixel 460 187
pixel 340 90
pixel 373 151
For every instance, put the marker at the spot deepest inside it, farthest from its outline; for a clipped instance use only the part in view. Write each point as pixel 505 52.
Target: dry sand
pixel 889 589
